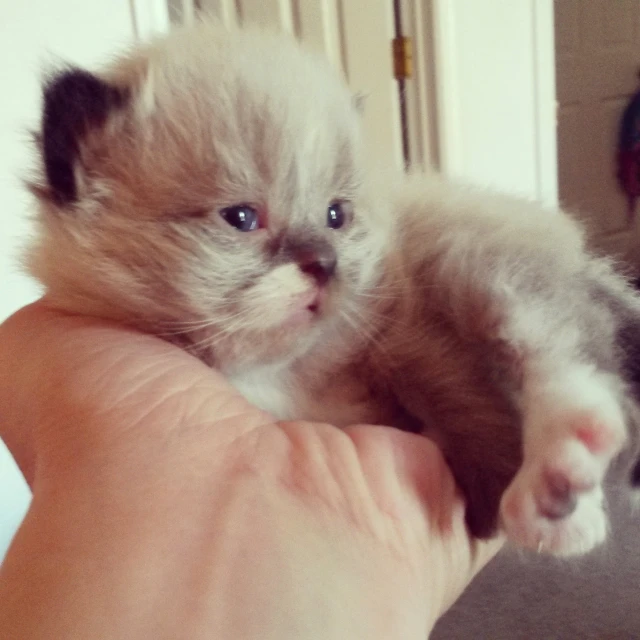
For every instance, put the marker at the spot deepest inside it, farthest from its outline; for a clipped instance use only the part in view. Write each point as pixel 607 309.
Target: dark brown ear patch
pixel 75 101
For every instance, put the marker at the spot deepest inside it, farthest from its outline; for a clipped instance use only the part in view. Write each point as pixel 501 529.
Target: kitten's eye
pixel 241 216
pixel 338 214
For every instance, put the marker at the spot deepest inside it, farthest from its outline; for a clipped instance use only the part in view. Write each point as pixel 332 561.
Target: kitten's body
pixel 478 317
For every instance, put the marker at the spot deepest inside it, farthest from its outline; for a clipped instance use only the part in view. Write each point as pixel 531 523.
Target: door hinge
pixel 402 57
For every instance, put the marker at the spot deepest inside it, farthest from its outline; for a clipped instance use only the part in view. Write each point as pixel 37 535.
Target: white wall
pixel 495 72
pixel 32 34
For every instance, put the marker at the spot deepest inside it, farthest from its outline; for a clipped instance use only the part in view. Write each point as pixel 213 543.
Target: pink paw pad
pixel 599 437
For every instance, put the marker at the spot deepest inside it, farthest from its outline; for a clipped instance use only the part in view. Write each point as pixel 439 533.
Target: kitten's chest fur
pixel 341 395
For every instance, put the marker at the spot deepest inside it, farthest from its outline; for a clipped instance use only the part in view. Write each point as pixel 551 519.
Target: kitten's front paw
pixel 555 502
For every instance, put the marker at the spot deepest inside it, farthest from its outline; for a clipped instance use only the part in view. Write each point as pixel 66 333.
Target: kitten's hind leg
pixel 449 389
pixel 573 427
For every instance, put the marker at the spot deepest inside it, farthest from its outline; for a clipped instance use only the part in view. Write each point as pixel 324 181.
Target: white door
pixel 597 65
pixel 355 35
pixel 495 95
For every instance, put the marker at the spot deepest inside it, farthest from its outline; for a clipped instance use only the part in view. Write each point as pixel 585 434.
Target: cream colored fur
pixel 452 310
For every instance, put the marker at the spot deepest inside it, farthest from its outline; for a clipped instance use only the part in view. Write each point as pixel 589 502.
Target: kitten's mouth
pixel 317 302
pixel 308 309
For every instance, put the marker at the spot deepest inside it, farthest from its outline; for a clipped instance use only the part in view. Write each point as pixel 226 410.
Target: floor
pixel 520 597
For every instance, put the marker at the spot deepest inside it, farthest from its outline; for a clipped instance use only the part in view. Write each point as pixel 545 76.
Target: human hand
pixel 165 506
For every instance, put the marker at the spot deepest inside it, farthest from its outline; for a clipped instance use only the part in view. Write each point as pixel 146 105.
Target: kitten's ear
pixel 75 102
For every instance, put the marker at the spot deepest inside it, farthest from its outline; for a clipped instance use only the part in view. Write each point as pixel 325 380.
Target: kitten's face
pixel 219 199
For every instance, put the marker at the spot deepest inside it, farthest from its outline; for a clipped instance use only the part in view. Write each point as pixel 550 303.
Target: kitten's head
pixel 208 183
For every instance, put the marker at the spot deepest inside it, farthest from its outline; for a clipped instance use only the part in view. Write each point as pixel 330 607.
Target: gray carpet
pixel 520 597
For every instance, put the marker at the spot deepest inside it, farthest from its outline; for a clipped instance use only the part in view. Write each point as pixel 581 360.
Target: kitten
pixel 209 187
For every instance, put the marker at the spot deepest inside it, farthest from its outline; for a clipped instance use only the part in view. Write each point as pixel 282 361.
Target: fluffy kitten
pixel 209 187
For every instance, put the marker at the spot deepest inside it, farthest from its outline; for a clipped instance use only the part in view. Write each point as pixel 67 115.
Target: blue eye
pixel 338 214
pixel 241 216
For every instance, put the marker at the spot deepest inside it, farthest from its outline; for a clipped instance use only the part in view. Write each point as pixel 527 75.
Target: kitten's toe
pixel 555 503
pixel 583 529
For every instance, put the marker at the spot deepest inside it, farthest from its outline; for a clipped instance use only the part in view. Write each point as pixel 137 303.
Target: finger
pixel 410 466
pixel 407 472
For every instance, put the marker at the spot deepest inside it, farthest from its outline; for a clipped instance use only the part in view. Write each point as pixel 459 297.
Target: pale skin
pixel 166 507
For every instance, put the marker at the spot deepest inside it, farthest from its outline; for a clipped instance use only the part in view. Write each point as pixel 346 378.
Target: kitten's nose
pixel 319 266
pixel 314 256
